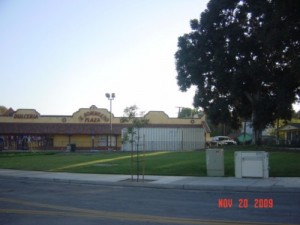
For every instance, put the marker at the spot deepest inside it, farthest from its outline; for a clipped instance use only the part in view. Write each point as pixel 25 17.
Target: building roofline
pixel 76 128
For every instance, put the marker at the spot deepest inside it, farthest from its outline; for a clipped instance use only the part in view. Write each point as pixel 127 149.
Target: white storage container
pixel 215 162
pixel 252 164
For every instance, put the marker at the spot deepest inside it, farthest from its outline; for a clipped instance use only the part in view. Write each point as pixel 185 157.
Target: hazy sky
pixel 57 56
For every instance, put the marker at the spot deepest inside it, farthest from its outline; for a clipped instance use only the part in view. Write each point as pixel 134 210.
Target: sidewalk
pixel 273 184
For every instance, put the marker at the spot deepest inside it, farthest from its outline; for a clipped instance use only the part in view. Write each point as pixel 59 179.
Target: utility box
pixel 251 164
pixel 215 162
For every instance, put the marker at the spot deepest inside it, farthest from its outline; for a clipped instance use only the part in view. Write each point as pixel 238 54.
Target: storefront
pixel 88 128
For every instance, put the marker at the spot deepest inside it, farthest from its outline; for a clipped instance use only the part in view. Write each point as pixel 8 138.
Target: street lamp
pixel 110 97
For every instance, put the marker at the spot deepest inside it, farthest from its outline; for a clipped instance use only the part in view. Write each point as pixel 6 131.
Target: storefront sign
pixel 92 120
pixel 93 117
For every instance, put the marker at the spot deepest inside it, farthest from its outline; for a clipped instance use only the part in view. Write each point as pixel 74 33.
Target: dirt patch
pixel 105 164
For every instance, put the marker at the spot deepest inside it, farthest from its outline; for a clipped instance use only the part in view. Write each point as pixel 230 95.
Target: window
pixel 103 141
pixel 107 141
pixel 112 140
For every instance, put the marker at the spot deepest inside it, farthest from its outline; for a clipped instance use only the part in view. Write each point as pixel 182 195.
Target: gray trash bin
pixel 73 147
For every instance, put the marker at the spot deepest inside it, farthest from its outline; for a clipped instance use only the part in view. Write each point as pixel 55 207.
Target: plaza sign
pixel 93 117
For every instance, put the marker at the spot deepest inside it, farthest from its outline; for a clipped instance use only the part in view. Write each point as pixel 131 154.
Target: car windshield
pixel 224 138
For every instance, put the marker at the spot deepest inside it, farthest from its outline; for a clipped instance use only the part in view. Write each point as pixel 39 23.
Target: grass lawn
pixel 192 163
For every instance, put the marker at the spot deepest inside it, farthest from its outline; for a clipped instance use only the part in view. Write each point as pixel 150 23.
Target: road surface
pixel 25 202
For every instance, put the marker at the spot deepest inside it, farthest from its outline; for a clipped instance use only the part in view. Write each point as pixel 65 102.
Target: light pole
pixel 110 97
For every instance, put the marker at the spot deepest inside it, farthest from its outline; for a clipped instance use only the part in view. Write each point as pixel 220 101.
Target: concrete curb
pixel 281 185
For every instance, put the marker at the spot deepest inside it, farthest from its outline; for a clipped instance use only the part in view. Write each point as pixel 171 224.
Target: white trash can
pixel 251 164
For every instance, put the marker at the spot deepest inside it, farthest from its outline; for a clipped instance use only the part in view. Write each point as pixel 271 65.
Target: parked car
pixel 221 140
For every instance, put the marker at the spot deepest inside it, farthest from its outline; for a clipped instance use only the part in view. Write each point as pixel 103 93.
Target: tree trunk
pixel 257 137
pixel 256 131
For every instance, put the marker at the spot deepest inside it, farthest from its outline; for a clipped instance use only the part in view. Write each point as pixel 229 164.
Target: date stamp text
pixel 244 203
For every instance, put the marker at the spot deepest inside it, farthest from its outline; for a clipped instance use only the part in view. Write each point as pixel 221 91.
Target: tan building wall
pixel 60 140
pixel 91 119
pixel 91 115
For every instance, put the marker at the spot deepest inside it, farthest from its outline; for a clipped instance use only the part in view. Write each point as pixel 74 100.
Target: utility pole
pixel 110 97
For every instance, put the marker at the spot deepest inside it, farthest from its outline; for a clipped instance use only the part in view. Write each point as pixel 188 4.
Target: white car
pixel 222 140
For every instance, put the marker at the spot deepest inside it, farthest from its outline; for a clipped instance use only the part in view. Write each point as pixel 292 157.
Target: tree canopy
pixel 243 56
pixel 3 109
pixel 189 113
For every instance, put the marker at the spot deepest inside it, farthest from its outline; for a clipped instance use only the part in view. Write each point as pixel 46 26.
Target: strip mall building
pixel 95 128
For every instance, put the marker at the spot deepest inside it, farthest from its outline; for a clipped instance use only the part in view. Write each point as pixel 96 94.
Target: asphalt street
pixel 28 201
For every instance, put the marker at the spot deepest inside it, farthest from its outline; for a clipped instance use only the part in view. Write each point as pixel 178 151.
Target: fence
pixel 165 139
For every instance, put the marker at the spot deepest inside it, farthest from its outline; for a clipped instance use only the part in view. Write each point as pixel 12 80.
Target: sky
pixel 57 56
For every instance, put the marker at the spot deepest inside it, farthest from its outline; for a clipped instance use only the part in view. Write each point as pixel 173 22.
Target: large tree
pixel 3 109
pixel 243 57
pixel 189 113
